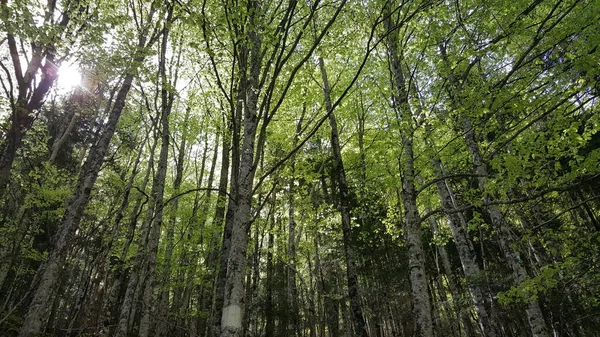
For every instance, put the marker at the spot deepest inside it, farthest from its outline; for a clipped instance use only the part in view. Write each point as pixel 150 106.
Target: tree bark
pixel 360 327
pixel 519 274
pixel 34 320
pixel 269 305
pixel 412 227
pixel 466 252
pixel 29 97
pixel 217 260
pixel 292 291
pixel 158 186
pixel 233 306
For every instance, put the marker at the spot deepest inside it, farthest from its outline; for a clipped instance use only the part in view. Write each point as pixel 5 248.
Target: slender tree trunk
pixel 217 260
pixel 205 295
pixel 322 294
pixel 119 275
pixel 312 321
pixel 158 185
pixel 34 320
pixel 519 273
pixel 252 279
pixel 269 305
pixel 358 320
pixel 455 288
pixel 292 292
pixel 412 228
pixel 167 99
pixel 58 143
pixel 466 252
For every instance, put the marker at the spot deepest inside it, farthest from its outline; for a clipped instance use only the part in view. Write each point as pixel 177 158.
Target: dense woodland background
pixel 300 168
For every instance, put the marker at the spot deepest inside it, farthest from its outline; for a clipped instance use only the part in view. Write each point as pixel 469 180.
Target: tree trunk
pixel 412 228
pixel 34 320
pixel 217 259
pixel 49 272
pixel 122 319
pixel 30 92
pixel 455 288
pixel 360 328
pixel 58 143
pixel 519 274
pixel 269 305
pixel 466 252
pixel 292 292
pixel 158 186
pixel 233 306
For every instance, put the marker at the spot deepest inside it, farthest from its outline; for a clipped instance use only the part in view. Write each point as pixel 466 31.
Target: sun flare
pixel 69 76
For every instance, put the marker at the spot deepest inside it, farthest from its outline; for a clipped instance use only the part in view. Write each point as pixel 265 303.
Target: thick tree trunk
pixel 233 306
pixel 232 315
pixel 26 103
pixel 416 254
pixel 360 327
pixel 221 272
pixel 227 213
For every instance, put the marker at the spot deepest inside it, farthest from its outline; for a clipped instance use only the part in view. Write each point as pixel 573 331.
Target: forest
pixel 300 168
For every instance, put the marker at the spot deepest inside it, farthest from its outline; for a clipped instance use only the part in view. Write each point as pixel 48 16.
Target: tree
pixel 316 168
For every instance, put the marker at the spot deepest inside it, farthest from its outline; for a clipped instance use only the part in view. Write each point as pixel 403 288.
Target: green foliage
pixel 524 74
pixel 532 288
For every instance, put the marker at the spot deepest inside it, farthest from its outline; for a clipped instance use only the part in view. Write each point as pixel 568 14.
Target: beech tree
pixel 299 168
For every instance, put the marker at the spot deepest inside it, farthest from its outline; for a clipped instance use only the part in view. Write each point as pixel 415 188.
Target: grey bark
pixel 360 327
pixel 234 143
pixel 35 318
pixel 58 143
pixel 163 301
pixel 455 287
pixel 498 221
pixel 292 292
pixel 30 92
pixel 167 99
pixel 132 283
pixel 519 274
pixel 466 252
pixel 269 305
pixel 412 228
pixel 140 286
pixel 115 278
pixel 233 306
pixel 158 184
pixel 217 261
pixel 183 298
